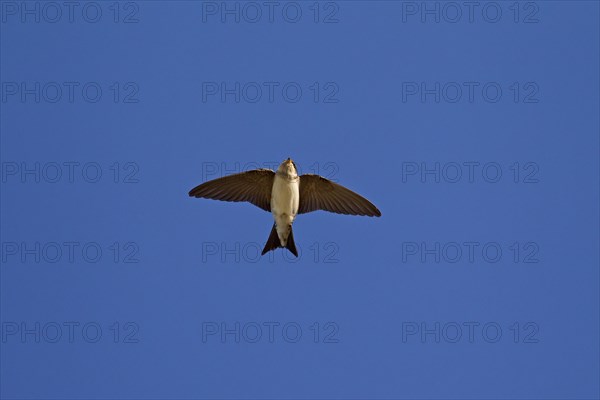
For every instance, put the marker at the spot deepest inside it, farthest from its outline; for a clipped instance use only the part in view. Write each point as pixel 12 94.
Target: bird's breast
pixel 285 197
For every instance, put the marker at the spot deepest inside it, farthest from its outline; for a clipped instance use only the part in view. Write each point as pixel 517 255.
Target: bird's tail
pixel 291 246
pixel 274 243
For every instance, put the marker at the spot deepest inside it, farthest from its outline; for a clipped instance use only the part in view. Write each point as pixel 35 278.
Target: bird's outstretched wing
pixel 318 193
pixel 251 186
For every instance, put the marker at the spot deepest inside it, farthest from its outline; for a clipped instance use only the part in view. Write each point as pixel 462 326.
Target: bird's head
pixel 288 168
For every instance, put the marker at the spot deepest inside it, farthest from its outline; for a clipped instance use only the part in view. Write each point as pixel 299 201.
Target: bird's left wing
pixel 318 193
pixel 251 186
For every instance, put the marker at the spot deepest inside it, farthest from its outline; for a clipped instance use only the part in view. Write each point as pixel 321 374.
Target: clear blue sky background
pixel 372 304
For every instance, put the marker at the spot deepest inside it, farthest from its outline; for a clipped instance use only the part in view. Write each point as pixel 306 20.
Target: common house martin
pixel 285 195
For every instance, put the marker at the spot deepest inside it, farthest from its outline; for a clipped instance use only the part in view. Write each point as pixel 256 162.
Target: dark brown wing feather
pixel 251 186
pixel 318 193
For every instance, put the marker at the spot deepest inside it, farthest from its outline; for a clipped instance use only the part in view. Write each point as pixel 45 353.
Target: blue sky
pixel 473 130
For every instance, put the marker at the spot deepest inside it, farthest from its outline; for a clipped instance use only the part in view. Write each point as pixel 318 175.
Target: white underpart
pixel 285 198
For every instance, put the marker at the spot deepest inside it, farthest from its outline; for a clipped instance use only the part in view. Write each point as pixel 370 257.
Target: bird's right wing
pixel 251 186
pixel 318 193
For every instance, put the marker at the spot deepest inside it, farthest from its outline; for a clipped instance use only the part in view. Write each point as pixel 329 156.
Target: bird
pixel 285 194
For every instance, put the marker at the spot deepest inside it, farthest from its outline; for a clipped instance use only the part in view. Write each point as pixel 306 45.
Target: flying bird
pixel 285 195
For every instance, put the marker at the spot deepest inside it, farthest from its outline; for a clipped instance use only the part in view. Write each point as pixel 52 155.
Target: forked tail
pixel 274 243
